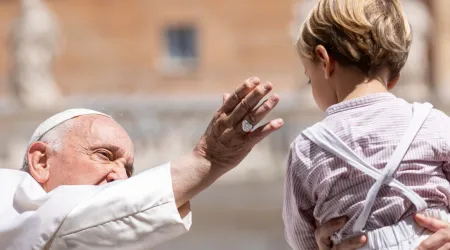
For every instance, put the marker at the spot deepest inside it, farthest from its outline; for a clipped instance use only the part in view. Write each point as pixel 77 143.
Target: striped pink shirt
pixel 319 186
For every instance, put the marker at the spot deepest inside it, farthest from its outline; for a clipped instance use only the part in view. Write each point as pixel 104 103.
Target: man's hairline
pixel 66 126
pixel 57 133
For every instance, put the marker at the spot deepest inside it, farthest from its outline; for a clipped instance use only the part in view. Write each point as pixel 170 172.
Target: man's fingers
pixel 264 130
pixel 445 247
pixel 352 244
pixel 324 243
pixel 330 227
pixel 225 97
pixel 435 241
pixel 260 112
pixel 241 92
pixel 430 223
pixel 324 232
pixel 440 239
pixel 249 102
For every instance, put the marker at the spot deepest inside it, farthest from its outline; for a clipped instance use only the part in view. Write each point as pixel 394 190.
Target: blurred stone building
pixel 196 47
pixel 169 47
pixel 160 67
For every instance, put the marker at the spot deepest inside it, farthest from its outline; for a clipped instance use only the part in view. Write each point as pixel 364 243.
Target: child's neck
pixel 361 90
pixel 355 86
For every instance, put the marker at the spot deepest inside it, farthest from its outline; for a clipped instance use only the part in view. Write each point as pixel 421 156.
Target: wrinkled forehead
pixel 100 130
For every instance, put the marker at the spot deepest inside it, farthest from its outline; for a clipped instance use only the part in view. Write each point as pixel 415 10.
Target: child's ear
pixel 326 61
pixel 391 84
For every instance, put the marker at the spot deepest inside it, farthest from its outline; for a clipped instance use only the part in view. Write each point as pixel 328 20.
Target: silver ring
pixel 246 126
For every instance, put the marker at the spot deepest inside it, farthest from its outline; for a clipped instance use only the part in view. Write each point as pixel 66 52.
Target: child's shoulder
pixel 438 113
pixel 300 153
pixel 437 117
pixel 302 145
pixel 438 122
pixel 302 138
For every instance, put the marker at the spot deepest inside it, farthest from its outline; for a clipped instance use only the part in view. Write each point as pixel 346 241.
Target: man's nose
pixel 117 173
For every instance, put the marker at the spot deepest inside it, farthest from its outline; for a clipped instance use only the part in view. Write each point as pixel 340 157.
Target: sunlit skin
pixel 332 82
pixel 97 150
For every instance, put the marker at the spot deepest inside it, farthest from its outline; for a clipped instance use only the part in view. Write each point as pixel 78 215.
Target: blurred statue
pixel 414 80
pixel 33 44
pixel 301 12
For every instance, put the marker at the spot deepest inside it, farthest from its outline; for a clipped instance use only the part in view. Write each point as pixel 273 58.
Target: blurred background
pixel 160 67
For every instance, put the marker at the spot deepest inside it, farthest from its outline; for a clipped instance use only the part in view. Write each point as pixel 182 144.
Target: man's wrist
pixel 191 174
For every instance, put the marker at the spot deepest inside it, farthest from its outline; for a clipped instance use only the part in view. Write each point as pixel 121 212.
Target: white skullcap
pixel 59 118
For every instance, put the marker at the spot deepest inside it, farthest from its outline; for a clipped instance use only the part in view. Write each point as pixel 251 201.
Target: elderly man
pixel 76 191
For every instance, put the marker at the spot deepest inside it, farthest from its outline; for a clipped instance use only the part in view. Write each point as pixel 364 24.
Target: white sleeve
pixel 137 213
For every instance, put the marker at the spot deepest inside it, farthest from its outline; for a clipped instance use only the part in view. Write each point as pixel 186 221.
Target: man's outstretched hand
pixel 225 143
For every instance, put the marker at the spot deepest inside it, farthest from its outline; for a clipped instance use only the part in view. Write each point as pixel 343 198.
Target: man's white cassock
pixel 137 213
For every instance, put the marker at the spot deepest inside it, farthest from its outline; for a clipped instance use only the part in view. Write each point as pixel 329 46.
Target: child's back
pixel 353 52
pixel 322 185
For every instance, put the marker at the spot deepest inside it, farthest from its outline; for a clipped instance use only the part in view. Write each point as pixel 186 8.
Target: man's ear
pixel 37 162
pixel 326 61
pixel 391 84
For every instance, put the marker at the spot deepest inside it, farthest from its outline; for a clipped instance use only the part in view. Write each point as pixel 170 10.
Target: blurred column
pixel 414 82
pixel 301 10
pixel 33 44
pixel 441 49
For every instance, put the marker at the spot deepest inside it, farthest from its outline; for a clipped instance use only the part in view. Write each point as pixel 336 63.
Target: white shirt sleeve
pixel 138 213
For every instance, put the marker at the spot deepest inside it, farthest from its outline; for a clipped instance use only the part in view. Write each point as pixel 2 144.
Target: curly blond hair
pixel 368 34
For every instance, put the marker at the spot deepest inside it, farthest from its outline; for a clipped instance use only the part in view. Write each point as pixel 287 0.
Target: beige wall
pixel 8 9
pixel 117 46
pixel 441 55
